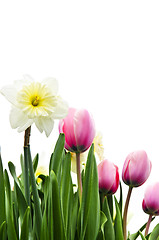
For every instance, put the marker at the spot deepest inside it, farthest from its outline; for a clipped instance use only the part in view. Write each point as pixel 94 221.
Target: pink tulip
pixel 150 202
pixel 108 177
pixel 136 169
pixel 79 130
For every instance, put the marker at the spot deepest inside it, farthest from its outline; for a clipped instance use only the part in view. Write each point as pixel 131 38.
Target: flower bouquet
pixel 52 206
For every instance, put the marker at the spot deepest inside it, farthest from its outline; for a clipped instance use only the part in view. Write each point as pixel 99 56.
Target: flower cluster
pixel 46 206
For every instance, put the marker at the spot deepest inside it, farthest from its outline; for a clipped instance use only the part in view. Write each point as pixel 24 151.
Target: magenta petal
pixel 151 199
pixel 84 129
pixel 136 169
pixel 67 127
pixel 108 177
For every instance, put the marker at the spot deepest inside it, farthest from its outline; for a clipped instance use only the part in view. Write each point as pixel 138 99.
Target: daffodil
pixel 40 170
pixel 35 102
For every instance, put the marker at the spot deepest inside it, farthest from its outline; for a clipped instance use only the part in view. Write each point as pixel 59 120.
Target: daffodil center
pixel 35 101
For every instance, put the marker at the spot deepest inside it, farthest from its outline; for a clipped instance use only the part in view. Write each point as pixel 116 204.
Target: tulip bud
pixel 150 202
pixel 136 169
pixel 79 130
pixel 108 177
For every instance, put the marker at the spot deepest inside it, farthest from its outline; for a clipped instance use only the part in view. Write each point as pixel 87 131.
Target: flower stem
pixel 27 136
pixel 148 225
pixel 26 175
pixel 125 212
pixel 79 180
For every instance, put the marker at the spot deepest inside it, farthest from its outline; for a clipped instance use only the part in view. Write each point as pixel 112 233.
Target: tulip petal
pixel 84 129
pixel 107 176
pixel 151 198
pixel 67 127
pixel 137 175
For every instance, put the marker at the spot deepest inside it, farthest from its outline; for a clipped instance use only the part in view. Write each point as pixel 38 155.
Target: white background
pixel 105 55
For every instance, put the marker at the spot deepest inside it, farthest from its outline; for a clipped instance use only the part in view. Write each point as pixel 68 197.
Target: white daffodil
pixel 35 102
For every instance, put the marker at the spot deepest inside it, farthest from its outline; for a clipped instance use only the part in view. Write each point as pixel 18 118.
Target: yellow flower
pixel 35 102
pixel 40 170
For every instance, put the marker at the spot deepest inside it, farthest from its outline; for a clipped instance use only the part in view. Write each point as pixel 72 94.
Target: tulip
pixel 150 203
pixel 79 130
pixel 108 177
pixel 136 169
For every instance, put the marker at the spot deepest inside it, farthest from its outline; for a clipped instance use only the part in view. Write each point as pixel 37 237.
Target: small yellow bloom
pixel 40 170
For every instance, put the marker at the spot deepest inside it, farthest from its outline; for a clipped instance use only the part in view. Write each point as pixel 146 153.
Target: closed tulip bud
pixel 79 130
pixel 136 169
pixel 108 177
pixel 150 202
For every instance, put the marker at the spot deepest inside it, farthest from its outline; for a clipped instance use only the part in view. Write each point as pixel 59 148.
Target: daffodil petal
pixel 44 124
pixel 10 93
pixel 61 109
pixel 52 85
pixel 27 80
pixel 19 120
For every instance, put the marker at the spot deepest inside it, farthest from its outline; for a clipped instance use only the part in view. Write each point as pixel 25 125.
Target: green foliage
pixel 52 210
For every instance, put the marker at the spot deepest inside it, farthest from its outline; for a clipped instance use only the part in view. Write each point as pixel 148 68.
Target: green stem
pixel 38 214
pixel 126 212
pixel 26 170
pixel 148 225
pixel 26 176
pixel 79 180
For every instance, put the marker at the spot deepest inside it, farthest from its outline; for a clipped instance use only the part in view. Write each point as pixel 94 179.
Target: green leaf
pixel 118 223
pixel 74 215
pixel 89 216
pixel 3 232
pixel 38 213
pixel 86 194
pixel 8 188
pixel 2 194
pixel 58 230
pixel 121 199
pixel 22 204
pixel 13 171
pixel 110 204
pixel 93 223
pixel 142 236
pixel 10 226
pixel 108 227
pixel 57 154
pixel 135 235
pixel 103 220
pixel 66 184
pixel 35 162
pixel 25 225
pixel 155 233
pixel 44 229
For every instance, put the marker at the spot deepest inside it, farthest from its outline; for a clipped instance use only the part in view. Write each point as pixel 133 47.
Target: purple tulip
pixel 79 130
pixel 150 202
pixel 108 177
pixel 136 169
